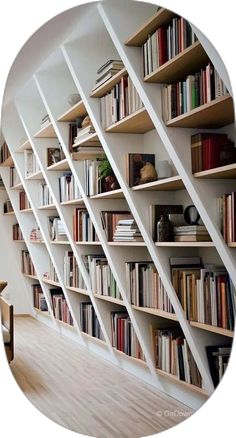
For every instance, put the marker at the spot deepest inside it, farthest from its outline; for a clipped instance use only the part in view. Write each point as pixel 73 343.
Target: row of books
pixel 16 232
pixel 60 307
pixel 99 177
pixel 45 121
pixel 124 337
pixel 51 274
pixel 173 355
pixel 14 177
pixel 23 201
pixel 206 294
pixel 167 42
pixel 102 279
pixel 89 320
pixel 227 216
pixel 72 275
pixel 39 301
pixel 7 206
pixel 68 188
pixel 145 288
pixel 120 226
pixel 122 101
pixel 27 266
pixel 211 150
pixel 45 195
pixel 191 233
pixel 31 163
pixel 83 227
pixel 196 90
pixel 56 229
pixel 4 153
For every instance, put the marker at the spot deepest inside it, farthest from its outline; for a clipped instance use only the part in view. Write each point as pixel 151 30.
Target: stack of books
pixel 107 71
pixel 166 43
pixel 45 195
pixel 83 228
pixel 102 279
pixel 145 288
pixel 206 294
pixel 39 300
pixel 120 226
pixel 124 337
pixel 56 229
pixel 227 216
pixel 7 207
pixel 173 355
pixel 45 121
pixel 83 134
pixel 23 201
pixel 51 274
pixel 68 189
pixel 27 266
pixel 31 163
pixel 72 274
pixel 36 235
pixel 191 233
pixel 89 321
pixel 122 101
pixel 209 151
pixel 60 307
pixel 14 177
pixel 218 358
pixel 4 153
pixel 16 232
pixel 196 90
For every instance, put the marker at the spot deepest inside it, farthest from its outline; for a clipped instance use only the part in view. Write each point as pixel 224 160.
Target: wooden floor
pixel 84 393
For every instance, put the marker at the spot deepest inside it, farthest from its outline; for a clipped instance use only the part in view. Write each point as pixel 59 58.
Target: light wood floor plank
pixel 83 392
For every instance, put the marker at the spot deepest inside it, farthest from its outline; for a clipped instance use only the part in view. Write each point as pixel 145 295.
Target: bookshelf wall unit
pixel 141 132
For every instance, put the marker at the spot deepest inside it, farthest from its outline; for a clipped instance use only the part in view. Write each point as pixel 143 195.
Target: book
pixel 89 321
pixel 102 279
pixel 68 188
pixel 208 151
pixel 124 337
pixel 24 203
pixel 72 274
pixel 218 357
pixel 45 195
pixel 140 169
pixel 60 307
pixel 83 228
pixel 27 266
pixel 110 64
pixel 4 153
pixel 120 226
pixel 39 301
pixel 227 217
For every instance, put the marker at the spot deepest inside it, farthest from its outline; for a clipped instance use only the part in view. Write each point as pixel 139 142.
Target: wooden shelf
pixel 32 277
pixel 9 213
pixel 160 18
pixel 88 243
pixel 215 114
pixel 61 165
pixel 24 146
pixel 17 187
pixel 94 338
pixel 51 282
pixel 47 207
pixel 46 132
pixel 73 202
pixel 35 176
pixel 7 163
pixel 60 242
pixel 77 290
pixel 156 312
pixel 213 329
pixel 26 210
pixel 42 312
pixel 18 241
pixel 136 123
pixel 110 299
pixel 108 85
pixel 66 325
pixel 187 62
pixel 224 172
pixel 114 194
pixel 232 245
pixel 172 183
pixel 90 137
pixel 37 242
pixel 131 358
pixel 127 243
pixel 181 382
pixel 77 110
pixel 186 244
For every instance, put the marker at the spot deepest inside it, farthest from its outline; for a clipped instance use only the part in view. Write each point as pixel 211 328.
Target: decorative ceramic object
pixel 164 230
pixel 164 169
pixel 86 122
pixel 148 173
pixel 73 99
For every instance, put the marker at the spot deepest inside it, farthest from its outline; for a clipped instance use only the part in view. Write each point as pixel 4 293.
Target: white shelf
pixel 46 132
pixel 61 165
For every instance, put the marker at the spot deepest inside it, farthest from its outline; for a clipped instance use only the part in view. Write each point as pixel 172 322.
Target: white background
pixel 19 20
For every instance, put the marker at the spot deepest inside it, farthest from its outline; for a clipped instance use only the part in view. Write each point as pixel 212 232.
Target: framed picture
pixel 54 155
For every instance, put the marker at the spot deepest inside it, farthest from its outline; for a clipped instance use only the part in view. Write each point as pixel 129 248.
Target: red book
pixel 162 44
pixel 212 146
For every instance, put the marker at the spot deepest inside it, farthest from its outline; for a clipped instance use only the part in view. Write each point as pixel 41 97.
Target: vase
pixel 164 169
pixel 73 99
pixel 164 230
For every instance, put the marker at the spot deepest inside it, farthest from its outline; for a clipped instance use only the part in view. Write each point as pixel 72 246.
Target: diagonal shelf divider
pixel 172 138
pixel 110 142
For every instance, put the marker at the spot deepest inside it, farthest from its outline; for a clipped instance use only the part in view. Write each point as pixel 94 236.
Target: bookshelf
pixel 131 134
pixel 223 172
